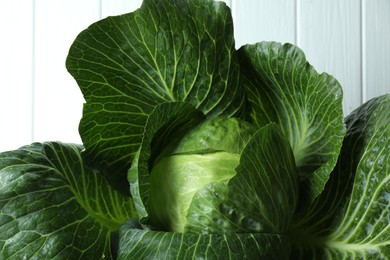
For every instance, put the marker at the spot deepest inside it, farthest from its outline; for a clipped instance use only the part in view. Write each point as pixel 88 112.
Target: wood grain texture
pixel 329 32
pixel 264 20
pixel 376 48
pixel 111 8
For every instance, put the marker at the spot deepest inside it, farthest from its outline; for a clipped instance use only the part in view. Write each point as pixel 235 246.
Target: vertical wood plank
pixel 112 7
pixel 58 100
pixel 16 73
pixel 329 32
pixel 264 20
pixel 376 48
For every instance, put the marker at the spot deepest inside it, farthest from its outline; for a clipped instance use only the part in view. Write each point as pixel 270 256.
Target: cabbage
pixel 195 150
pixel 208 153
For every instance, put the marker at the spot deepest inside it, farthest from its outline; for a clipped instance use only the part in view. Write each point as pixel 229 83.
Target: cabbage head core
pixel 208 153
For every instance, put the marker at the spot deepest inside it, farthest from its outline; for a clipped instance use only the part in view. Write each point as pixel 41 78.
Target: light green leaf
pixel 51 206
pixel 166 51
pixel 138 243
pixel 283 87
pixel 351 218
pixel 167 122
pixel 176 179
pixel 249 221
pixel 260 198
pixel 208 152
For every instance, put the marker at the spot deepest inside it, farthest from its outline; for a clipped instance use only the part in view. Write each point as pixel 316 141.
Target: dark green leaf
pixel 166 51
pixel 51 206
pixel 351 218
pixel 137 243
pixel 283 87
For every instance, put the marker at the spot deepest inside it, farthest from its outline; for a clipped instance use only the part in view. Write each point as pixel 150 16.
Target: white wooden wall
pixel 39 100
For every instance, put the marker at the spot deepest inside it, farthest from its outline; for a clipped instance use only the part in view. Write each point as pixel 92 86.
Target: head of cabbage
pixel 207 153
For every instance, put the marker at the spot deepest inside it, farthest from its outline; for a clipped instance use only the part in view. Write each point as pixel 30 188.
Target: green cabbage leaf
pixel 51 206
pixel 139 243
pixel 351 218
pixel 166 51
pixel 256 205
pixel 195 150
pixel 283 87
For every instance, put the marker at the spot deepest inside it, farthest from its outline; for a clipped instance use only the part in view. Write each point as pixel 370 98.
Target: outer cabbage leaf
pixel 166 51
pixel 138 243
pixel 351 218
pixel 260 198
pixel 51 206
pixel 283 87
